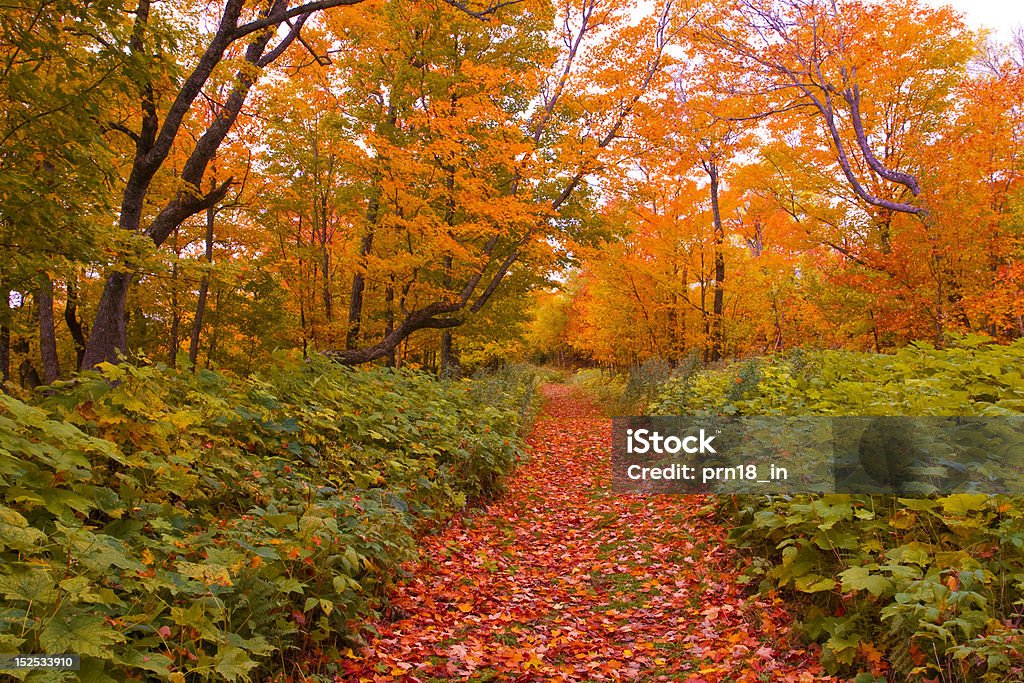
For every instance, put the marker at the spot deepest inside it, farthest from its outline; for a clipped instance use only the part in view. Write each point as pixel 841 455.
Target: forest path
pixel 560 580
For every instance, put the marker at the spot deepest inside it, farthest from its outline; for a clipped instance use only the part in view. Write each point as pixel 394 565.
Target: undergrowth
pixel 199 527
pixel 926 588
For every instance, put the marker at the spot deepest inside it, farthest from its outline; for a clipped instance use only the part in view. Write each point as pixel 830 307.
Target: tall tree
pixel 462 149
pixel 59 69
pixel 251 39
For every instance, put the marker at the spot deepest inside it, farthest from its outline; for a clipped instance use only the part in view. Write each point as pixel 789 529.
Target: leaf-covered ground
pixel 560 580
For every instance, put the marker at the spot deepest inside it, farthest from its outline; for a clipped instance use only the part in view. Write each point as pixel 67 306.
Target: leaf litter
pixel 560 580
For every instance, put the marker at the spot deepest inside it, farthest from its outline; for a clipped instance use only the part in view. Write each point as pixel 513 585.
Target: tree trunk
pixel 73 323
pixel 717 326
pixel 5 333
pixel 47 335
pixel 108 337
pixel 355 305
pixel 29 375
pixel 389 321
pixel 325 259
pixel 705 315
pixel 214 336
pixel 204 290
pixel 5 354
pixel 450 368
pixel 172 343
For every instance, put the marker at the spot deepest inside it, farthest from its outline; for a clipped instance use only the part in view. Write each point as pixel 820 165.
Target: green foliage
pixel 629 393
pixel 937 582
pixel 190 527
pixel 512 385
pixel 971 377
pixel 605 387
pixel 645 379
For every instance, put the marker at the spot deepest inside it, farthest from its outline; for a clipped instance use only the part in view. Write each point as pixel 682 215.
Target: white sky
pixel 1001 15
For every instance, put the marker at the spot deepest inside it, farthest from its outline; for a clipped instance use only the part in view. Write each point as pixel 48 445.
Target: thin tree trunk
pixel 5 333
pixel 705 316
pixel 449 362
pixel 29 376
pixel 325 258
pixel 302 324
pixel 172 343
pixel 355 302
pixel 327 296
pixel 47 334
pixel 355 305
pixel 213 336
pixel 300 289
pixel 72 321
pixel 777 342
pixel 5 353
pixel 389 321
pixel 874 331
pixel 684 277
pixel 940 314
pixel 204 290
pixel 717 331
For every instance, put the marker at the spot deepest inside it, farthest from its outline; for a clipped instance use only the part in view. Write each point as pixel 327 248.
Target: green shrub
pixel 513 385
pixel 201 527
pixel 938 583
pixel 604 387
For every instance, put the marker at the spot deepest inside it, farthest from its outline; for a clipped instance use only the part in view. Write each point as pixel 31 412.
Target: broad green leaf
pixel 83 634
pixel 859 578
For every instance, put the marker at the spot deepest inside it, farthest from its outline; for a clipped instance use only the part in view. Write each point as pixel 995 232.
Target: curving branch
pixel 806 75
pixel 852 97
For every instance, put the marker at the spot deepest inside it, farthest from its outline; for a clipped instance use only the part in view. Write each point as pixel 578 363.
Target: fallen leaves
pixel 562 581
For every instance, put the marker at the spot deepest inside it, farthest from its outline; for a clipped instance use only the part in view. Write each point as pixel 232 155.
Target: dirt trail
pixel 559 580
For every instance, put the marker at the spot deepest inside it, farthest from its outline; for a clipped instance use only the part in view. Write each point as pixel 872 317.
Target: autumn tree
pixel 465 150
pixel 871 191
pixel 242 39
pixel 878 80
pixel 60 68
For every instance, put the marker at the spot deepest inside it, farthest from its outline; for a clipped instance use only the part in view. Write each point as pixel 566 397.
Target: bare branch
pixel 293 33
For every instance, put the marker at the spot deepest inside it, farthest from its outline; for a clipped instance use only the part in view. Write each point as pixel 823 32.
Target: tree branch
pixel 419 319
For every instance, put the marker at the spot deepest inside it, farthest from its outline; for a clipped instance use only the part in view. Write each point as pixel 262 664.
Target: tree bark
pixel 355 305
pixel 172 342
pixel 389 321
pixel 5 354
pixel 5 334
pixel 108 337
pixel 450 367
pixel 72 321
pixel 432 316
pixel 30 378
pixel 718 308
pixel 47 334
pixel 325 258
pixel 204 290
pixel 214 338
